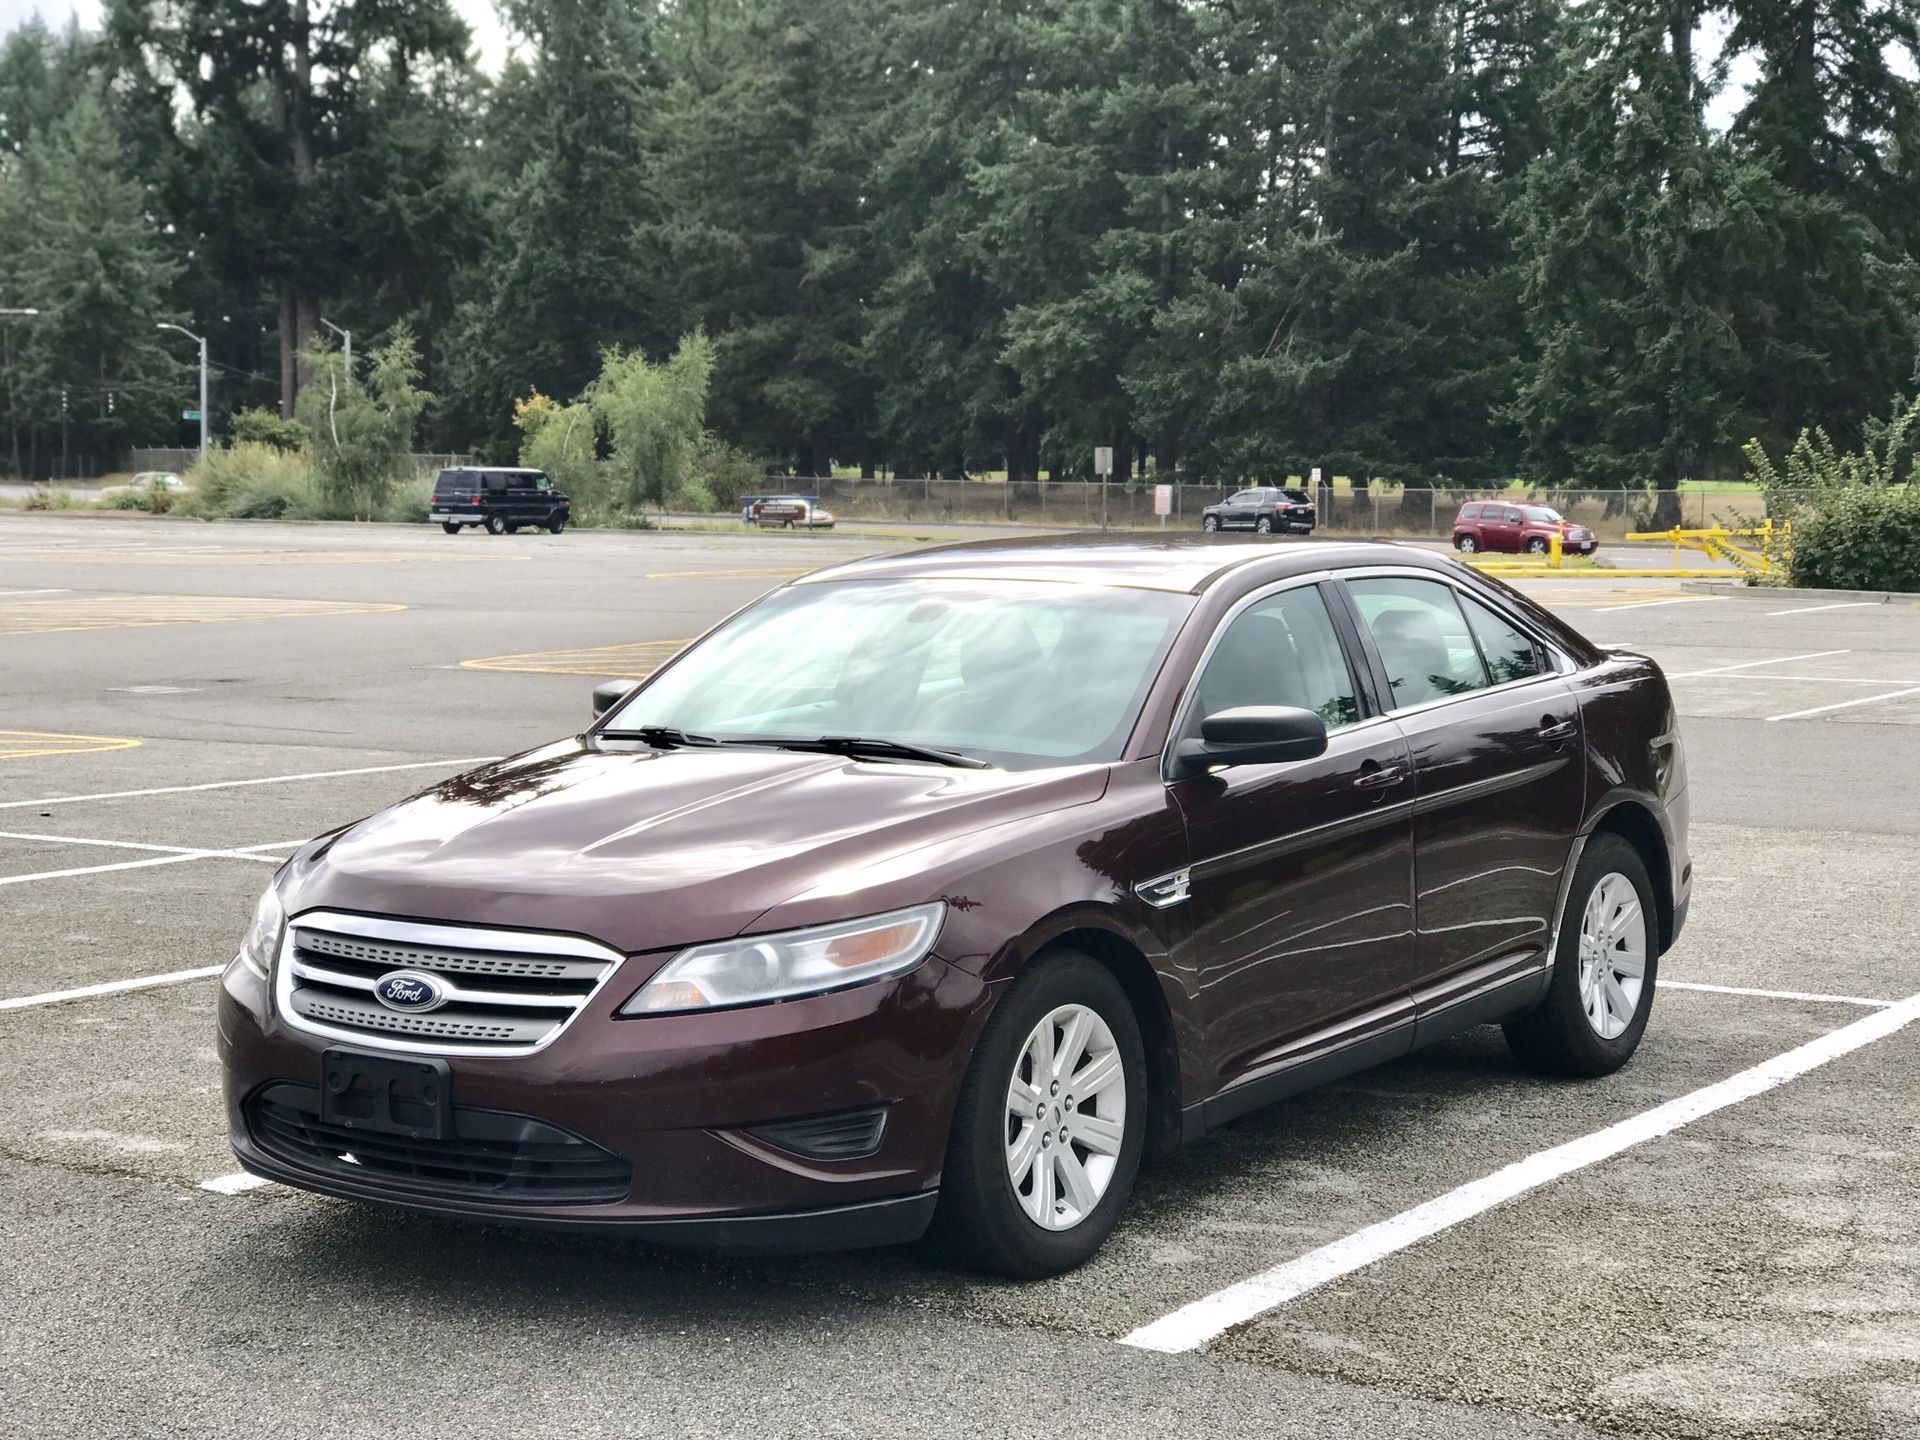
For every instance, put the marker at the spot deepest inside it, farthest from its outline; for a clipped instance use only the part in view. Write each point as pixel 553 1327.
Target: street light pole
pixel 346 337
pixel 200 340
pixel 13 421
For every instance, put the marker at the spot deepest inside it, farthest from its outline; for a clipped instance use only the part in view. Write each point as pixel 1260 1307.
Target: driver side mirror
pixel 1251 735
pixel 610 693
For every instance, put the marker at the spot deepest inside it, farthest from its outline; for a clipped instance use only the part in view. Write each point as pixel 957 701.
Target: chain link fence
pixel 1377 510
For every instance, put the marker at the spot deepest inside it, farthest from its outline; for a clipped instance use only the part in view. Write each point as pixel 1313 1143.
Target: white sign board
pixel 1163 499
pixel 1103 460
pixel 1316 475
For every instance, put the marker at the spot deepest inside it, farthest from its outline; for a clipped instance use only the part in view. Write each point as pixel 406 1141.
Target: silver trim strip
pixel 456 995
pixel 441 937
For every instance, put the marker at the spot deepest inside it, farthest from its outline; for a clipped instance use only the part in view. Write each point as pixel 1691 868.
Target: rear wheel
pixel 1050 1124
pixel 496 524
pixel 1603 974
pixel 1264 525
pixel 452 527
pixel 1465 544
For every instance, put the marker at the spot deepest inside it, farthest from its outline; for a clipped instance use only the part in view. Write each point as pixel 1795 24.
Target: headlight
pixel 756 968
pixel 263 936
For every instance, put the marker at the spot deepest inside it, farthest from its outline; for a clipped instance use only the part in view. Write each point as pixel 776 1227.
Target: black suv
pixel 1265 510
pixel 501 498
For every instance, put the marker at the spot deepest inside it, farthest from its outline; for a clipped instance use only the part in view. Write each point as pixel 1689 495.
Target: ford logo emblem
pixel 409 990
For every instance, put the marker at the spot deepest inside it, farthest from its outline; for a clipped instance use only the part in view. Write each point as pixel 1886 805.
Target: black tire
pixel 513 527
pixel 1465 544
pixel 557 524
pixel 1555 1037
pixel 496 524
pixel 979 1221
pixel 1210 523
pixel 1536 546
pixel 452 527
pixel 1264 525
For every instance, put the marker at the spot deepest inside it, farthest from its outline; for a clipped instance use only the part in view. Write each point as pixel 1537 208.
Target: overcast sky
pixel 478 14
pixel 492 40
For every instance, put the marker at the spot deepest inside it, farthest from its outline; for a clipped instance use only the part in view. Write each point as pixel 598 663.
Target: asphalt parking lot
pixel 1703 1245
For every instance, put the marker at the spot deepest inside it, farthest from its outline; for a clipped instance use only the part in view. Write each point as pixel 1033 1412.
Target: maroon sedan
pixel 939 889
pixel 1500 525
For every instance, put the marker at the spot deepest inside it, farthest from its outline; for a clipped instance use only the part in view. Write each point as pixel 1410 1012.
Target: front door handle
pixel 1555 731
pixel 1380 777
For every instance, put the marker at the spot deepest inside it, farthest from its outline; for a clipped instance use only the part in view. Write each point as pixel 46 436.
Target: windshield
pixel 1541 512
pixel 1022 674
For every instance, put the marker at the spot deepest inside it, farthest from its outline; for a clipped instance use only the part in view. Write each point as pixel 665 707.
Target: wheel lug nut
pixel 1069 1102
pixel 1055 1090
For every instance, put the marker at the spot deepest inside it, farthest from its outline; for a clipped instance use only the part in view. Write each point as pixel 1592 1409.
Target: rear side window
pixel 1281 651
pixel 1422 637
pixel 1469 512
pixel 1510 653
pixel 495 482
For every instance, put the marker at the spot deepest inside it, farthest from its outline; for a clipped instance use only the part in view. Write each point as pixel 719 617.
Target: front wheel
pixel 557 524
pixel 1603 973
pixel 1210 524
pixel 1050 1124
pixel 1536 546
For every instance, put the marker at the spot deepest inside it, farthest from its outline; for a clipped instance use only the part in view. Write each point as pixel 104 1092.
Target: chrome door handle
pixel 1380 778
pixel 1556 731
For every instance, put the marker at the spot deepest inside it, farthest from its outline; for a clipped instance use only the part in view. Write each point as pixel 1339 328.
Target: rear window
pixel 1298 497
pixel 453 480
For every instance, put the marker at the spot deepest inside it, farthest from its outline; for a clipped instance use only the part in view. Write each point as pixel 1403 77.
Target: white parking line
pixel 1816 609
pixel 1194 1325
pixel 110 987
pixel 1845 704
pixel 173 857
pixel 1649 604
pixel 1751 664
pixel 232 784
pixel 35 592
pixel 237 1183
pixel 1773 994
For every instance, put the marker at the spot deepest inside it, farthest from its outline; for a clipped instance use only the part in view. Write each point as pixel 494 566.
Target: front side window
pixel 1422 638
pixel 1280 651
pixel 1543 515
pixel 1022 674
pixel 1509 652
pixel 1512 517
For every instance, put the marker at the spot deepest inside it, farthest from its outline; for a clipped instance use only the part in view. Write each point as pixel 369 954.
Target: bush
pixel 126 500
pixel 727 472
pixel 693 497
pixel 1855 513
pixel 258 426
pixel 252 481
pixel 1866 537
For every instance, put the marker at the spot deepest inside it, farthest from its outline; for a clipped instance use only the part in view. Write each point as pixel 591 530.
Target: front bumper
pixel 674 1097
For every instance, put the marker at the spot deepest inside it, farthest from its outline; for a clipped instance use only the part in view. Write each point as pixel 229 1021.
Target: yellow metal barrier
pixel 1720 543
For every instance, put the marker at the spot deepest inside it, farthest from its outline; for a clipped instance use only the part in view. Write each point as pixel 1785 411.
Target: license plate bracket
pixel 386 1095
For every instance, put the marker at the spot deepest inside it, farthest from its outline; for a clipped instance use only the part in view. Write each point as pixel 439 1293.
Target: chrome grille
pixel 509 992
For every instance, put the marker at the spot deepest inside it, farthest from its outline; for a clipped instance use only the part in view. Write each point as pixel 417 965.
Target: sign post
pixel 1103 467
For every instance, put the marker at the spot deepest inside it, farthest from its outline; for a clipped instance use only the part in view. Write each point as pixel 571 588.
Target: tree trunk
pixel 289 347
pixel 1666 505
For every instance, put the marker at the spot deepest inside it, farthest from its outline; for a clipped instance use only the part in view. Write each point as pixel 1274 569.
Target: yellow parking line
pixel 30 744
pixel 213 555
pixel 620 662
pixel 124 612
pixel 729 574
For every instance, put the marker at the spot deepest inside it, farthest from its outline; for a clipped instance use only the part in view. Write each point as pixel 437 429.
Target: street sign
pixel 189 414
pixel 1163 499
pixel 1316 475
pixel 1103 460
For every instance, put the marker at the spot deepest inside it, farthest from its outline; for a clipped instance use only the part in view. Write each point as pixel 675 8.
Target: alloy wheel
pixel 1066 1116
pixel 1613 955
pixel 1468 544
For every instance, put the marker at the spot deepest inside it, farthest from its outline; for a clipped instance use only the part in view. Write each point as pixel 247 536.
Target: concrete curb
pixel 1788 592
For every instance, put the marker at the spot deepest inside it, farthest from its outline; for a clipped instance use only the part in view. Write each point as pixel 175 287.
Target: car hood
pixel 648 850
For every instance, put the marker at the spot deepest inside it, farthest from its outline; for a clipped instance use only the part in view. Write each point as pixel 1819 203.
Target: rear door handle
pixel 1556 730
pixel 1380 777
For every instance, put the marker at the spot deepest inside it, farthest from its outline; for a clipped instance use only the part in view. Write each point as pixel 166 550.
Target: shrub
pixel 727 473
pixel 259 426
pixel 559 440
pixel 362 430
pixel 1855 514
pixel 126 500
pixel 654 416
pixel 252 481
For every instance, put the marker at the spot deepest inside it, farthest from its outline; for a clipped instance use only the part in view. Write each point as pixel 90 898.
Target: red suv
pixel 1502 525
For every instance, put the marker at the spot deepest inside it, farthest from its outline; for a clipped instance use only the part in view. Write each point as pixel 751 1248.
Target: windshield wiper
pixel 661 737
pixel 858 745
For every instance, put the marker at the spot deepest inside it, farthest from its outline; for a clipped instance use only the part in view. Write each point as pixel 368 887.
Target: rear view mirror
pixel 610 693
pixel 1251 735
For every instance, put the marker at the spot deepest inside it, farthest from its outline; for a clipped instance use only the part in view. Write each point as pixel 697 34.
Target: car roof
pixel 1184 564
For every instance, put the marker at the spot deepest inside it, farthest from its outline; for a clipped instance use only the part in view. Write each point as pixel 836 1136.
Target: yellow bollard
pixel 1553 550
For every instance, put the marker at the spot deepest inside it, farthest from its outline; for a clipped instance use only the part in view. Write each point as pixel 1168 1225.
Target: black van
pixel 502 498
